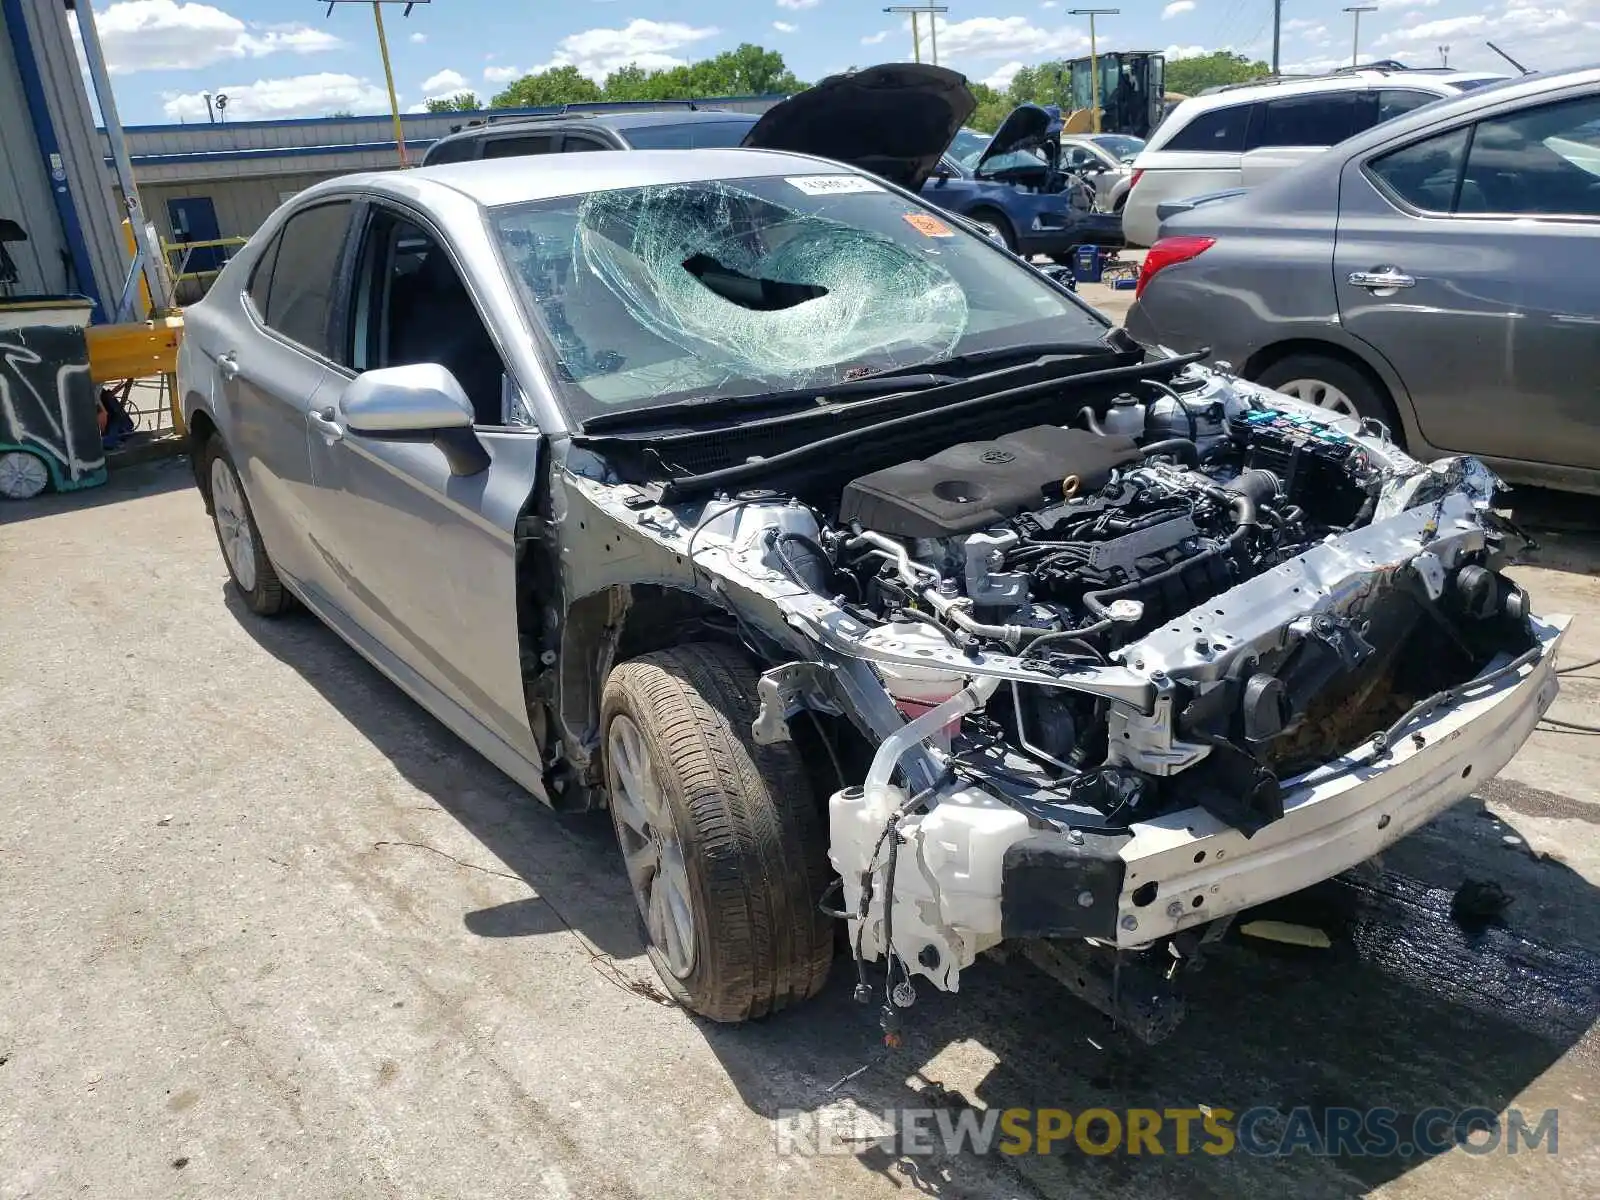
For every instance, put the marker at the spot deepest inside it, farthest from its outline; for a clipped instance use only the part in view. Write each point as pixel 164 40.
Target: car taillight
pixel 1167 251
pixel 1134 182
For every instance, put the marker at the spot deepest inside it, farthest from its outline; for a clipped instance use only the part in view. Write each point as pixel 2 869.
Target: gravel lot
pixel 270 931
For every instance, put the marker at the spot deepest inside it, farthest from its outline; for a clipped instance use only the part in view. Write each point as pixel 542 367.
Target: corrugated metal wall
pixel 241 204
pixel 68 101
pixel 25 184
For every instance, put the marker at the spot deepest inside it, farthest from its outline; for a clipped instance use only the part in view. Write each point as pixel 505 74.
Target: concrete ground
pixel 270 931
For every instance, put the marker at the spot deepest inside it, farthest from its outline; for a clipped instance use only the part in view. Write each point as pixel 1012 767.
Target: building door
pixel 194 219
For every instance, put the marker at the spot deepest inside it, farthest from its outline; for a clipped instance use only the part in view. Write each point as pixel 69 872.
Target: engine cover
pixel 978 484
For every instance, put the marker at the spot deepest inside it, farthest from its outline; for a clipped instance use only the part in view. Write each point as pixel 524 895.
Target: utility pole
pixel 1355 10
pixel 211 113
pixel 931 10
pixel 388 71
pixel 1444 56
pixel 1277 23
pixel 1094 59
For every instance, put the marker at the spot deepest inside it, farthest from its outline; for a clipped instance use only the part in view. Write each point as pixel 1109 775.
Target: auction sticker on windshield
pixel 928 226
pixel 832 185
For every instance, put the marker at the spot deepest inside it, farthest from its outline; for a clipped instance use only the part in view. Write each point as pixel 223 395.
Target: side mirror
pixel 941 176
pixel 420 402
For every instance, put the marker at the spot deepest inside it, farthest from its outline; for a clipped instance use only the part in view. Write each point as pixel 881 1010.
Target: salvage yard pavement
pixel 271 931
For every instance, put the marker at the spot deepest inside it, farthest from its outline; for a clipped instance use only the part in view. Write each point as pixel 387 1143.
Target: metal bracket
pixel 786 691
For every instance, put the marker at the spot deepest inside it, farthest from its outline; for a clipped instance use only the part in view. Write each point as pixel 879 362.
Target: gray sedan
pixel 1436 273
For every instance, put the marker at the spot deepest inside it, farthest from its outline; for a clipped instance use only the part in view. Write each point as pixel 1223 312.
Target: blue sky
pixel 288 58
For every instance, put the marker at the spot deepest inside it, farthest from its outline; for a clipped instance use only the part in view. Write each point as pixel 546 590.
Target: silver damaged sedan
pixel 859 569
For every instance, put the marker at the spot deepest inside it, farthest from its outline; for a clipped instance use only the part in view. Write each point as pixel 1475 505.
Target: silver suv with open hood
pixel 860 570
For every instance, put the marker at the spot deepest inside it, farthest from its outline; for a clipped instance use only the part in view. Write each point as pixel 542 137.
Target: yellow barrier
pixel 138 350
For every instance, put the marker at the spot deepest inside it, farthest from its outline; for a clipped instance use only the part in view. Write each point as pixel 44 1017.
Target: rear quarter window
pixel 1220 130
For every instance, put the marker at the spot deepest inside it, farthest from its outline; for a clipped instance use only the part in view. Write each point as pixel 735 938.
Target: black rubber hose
pixel 1178 447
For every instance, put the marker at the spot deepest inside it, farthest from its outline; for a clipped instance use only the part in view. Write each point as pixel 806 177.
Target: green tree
pixel 1190 76
pixel 460 102
pixel 992 107
pixel 341 112
pixel 559 85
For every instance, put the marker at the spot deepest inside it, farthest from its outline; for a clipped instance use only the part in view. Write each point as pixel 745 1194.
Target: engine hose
pixel 1090 420
pixel 1178 447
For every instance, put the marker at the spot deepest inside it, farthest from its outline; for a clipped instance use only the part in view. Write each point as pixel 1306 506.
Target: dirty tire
pixel 752 835
pixel 266 594
pixel 990 218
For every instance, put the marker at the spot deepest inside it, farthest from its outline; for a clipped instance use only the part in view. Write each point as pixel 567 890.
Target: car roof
pixel 493 182
pixel 618 120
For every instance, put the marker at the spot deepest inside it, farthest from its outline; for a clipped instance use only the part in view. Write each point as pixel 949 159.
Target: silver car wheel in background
pixel 1323 395
pixel 650 844
pixel 233 524
pixel 22 475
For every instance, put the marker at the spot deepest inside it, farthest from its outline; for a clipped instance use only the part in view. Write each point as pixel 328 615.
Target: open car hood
pixel 1026 127
pixel 894 120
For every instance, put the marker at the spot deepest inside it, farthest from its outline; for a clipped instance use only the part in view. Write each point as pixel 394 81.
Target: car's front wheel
pixel 1333 384
pixel 237 535
pixel 996 226
pixel 722 838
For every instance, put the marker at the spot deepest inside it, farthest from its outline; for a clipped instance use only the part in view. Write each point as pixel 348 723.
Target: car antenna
pixel 1508 58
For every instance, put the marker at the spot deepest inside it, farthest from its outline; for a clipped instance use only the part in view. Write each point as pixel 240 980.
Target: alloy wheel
pixel 651 847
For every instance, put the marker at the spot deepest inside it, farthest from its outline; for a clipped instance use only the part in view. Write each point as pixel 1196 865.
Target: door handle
pixel 1382 278
pixel 327 423
pixel 228 365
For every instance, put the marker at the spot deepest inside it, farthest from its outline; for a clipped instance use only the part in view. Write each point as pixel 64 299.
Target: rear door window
pixel 690 135
pixel 1396 102
pixel 1220 130
pixel 521 144
pixel 1324 119
pixel 1542 161
pixel 299 302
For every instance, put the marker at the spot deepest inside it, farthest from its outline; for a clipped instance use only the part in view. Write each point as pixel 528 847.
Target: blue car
pixel 906 122
pixel 902 121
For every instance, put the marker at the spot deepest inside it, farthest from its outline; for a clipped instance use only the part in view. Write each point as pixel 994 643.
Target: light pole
pixel 388 71
pixel 916 32
pixel 1355 10
pixel 1094 60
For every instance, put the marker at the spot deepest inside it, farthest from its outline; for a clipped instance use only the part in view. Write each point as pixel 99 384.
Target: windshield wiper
pixel 1021 352
pixel 881 385
pixel 699 408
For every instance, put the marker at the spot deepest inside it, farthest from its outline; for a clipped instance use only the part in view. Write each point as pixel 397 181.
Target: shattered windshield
pixel 756 285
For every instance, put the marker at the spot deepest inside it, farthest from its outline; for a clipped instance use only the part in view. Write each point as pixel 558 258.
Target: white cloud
pixel 598 52
pixel 418 38
pixel 1002 77
pixel 1050 4
pixel 1176 9
pixel 797 5
pixel 1404 4
pixel 785 27
pixel 1173 53
pixel 1004 37
pixel 445 82
pixel 166 35
pixel 501 74
pixel 299 96
pixel 1544 33
pixel 873 39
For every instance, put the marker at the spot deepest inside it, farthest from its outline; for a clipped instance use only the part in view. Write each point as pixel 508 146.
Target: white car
pixel 1243 135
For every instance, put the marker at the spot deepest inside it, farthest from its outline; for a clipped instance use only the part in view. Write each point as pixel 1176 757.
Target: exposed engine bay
pixel 1145 666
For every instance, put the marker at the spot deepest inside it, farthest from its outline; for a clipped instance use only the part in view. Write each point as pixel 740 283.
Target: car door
pixel 426 559
pixel 1467 258
pixel 270 365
